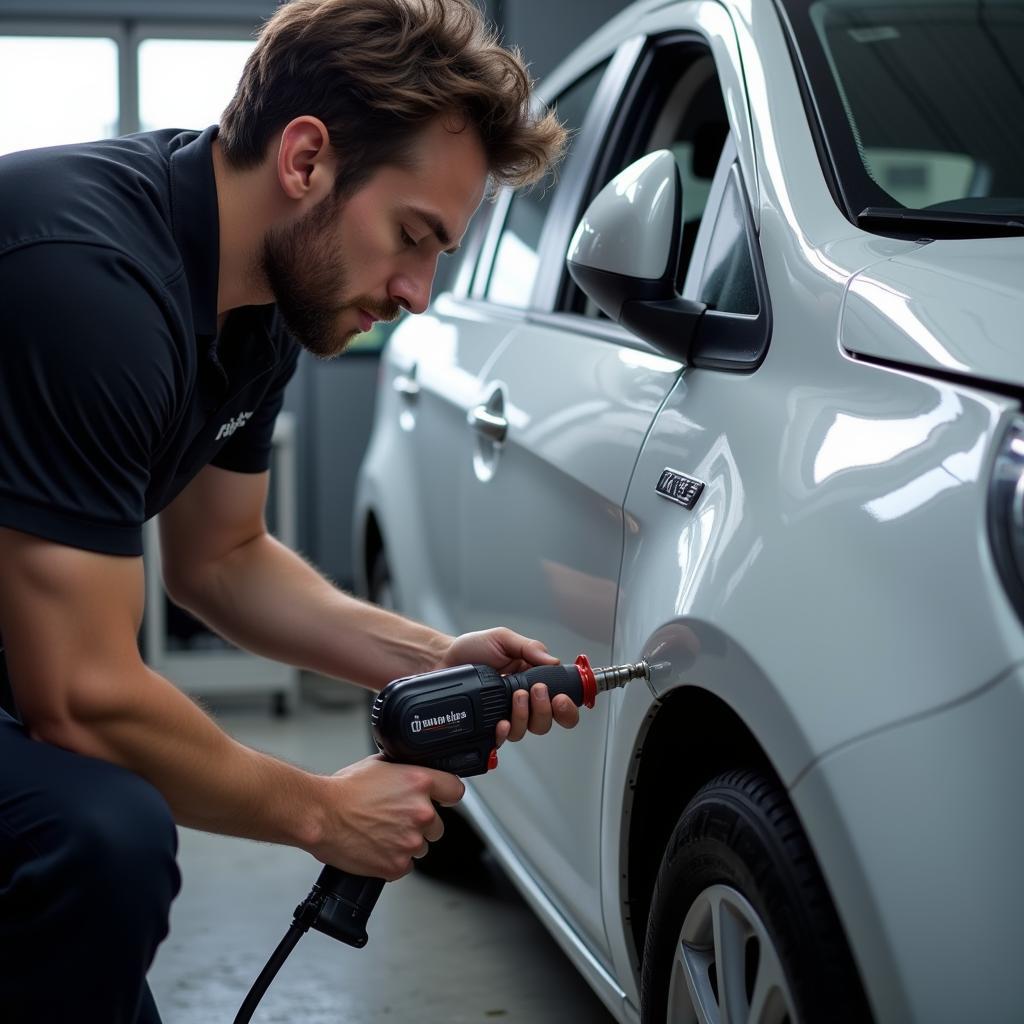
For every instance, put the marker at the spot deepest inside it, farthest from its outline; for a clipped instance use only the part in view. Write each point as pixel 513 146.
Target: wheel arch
pixel 662 783
pixel 370 545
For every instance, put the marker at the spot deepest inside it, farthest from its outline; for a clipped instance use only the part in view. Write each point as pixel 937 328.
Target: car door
pixel 542 529
pixel 435 366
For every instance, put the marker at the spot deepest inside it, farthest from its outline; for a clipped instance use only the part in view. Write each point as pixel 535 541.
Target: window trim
pixel 620 63
pixel 619 127
pixel 607 123
pixel 489 247
pixel 568 205
pixel 742 331
pixel 746 337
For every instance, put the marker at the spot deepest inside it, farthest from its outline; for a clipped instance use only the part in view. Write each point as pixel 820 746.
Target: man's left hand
pixel 507 652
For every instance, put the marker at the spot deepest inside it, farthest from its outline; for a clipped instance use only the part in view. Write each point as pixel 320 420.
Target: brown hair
pixel 376 72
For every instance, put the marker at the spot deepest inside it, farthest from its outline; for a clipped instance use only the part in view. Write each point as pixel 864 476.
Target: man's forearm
pixel 137 719
pixel 267 599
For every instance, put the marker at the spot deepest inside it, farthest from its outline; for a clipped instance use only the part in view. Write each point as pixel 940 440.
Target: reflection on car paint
pixel 853 441
pixel 902 311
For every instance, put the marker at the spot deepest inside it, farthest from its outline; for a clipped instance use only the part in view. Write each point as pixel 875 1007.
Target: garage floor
pixel 439 953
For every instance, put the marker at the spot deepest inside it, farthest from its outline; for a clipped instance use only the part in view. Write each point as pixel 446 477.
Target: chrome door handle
pixel 406 385
pixel 490 424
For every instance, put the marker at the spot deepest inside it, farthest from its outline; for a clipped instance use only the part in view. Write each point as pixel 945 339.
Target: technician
pixel 156 291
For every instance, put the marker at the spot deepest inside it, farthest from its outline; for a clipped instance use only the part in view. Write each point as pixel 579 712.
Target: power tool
pixel 444 720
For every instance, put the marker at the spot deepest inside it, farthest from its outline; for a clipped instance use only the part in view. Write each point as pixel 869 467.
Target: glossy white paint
pixel 951 305
pixel 921 824
pixel 541 543
pixel 627 229
pixel 834 584
pixel 446 357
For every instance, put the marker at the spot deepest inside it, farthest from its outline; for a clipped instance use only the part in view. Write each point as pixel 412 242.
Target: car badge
pixel 679 487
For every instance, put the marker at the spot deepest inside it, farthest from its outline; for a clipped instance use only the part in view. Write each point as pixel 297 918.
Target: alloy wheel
pixel 726 968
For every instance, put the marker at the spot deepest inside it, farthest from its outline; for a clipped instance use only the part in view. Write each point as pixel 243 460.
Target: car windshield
pixel 921 106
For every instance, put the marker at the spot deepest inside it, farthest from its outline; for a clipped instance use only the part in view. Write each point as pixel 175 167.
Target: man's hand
pixel 507 651
pixel 384 816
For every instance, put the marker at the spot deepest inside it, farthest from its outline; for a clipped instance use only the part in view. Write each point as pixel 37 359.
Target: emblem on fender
pixel 679 487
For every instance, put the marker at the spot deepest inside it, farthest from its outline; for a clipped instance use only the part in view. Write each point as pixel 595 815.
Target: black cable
pixel 269 972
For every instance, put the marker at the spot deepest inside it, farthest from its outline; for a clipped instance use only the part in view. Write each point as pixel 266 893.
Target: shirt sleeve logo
pixel 236 423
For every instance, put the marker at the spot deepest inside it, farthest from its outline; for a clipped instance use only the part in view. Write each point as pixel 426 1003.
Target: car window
pixel 678 107
pixel 921 103
pixel 516 259
pixel 728 283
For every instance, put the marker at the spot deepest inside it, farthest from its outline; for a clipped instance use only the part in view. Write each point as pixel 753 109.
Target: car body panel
pixel 408 430
pixel 951 305
pixel 565 464
pixel 882 465
pixel 595 972
pixel 833 585
pixel 921 825
pixel 749 575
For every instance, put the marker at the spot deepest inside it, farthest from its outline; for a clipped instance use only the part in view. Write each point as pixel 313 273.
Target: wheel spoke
pixel 726 969
pixel 691 996
pixel 730 944
pixel 770 1002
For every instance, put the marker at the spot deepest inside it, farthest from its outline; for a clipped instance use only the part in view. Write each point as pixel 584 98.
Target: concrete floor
pixel 439 952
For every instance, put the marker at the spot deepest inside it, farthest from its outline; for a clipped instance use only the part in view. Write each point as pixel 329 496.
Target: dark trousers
pixel 87 876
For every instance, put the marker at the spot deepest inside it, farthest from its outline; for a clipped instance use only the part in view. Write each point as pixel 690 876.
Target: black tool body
pixel 444 720
pixel 447 719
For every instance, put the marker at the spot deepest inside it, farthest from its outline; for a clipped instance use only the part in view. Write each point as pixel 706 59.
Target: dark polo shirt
pixel 115 389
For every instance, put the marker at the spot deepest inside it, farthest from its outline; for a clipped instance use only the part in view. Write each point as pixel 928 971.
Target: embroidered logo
pixel 239 421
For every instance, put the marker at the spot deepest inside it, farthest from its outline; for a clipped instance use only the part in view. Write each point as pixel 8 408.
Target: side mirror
pixel 625 254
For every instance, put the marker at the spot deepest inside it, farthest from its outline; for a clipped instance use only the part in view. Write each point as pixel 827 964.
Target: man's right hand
pixel 381 816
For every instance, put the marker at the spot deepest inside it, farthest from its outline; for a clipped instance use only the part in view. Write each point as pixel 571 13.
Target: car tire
pixel 742 927
pixel 380 583
pixel 457 853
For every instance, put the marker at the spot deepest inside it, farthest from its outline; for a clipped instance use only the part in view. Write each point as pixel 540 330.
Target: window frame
pixel 741 340
pixel 620 138
pixel 140 31
pixel 127 34
pixel 572 178
pixel 606 132
pixel 85 28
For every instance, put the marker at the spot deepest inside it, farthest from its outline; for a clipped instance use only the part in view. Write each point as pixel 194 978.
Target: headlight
pixel 1006 513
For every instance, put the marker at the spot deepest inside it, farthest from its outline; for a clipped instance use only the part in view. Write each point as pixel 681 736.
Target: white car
pixel 739 394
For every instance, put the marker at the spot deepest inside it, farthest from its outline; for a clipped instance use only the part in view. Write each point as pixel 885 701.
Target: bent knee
pixel 121 836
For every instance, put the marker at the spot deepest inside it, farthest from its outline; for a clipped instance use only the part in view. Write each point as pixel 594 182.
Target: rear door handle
pixel 490 424
pixel 406 384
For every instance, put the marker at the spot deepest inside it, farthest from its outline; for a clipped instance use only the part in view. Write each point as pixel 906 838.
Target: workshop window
pixel 187 83
pixel 58 113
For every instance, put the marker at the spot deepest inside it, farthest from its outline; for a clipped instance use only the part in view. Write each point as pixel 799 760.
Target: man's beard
pixel 307 274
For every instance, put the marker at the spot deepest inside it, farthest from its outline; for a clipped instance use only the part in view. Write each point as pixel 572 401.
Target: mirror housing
pixel 625 254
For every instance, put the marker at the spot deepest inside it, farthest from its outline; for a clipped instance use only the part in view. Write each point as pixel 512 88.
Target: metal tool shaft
pixel 619 675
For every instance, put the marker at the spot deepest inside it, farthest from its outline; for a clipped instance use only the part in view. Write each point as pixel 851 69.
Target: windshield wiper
pixel 939 223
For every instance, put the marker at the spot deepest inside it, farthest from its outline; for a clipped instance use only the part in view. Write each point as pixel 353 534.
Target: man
pixel 144 281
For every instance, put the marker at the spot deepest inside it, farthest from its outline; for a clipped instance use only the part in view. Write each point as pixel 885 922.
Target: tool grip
pixel 571 680
pixel 342 904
